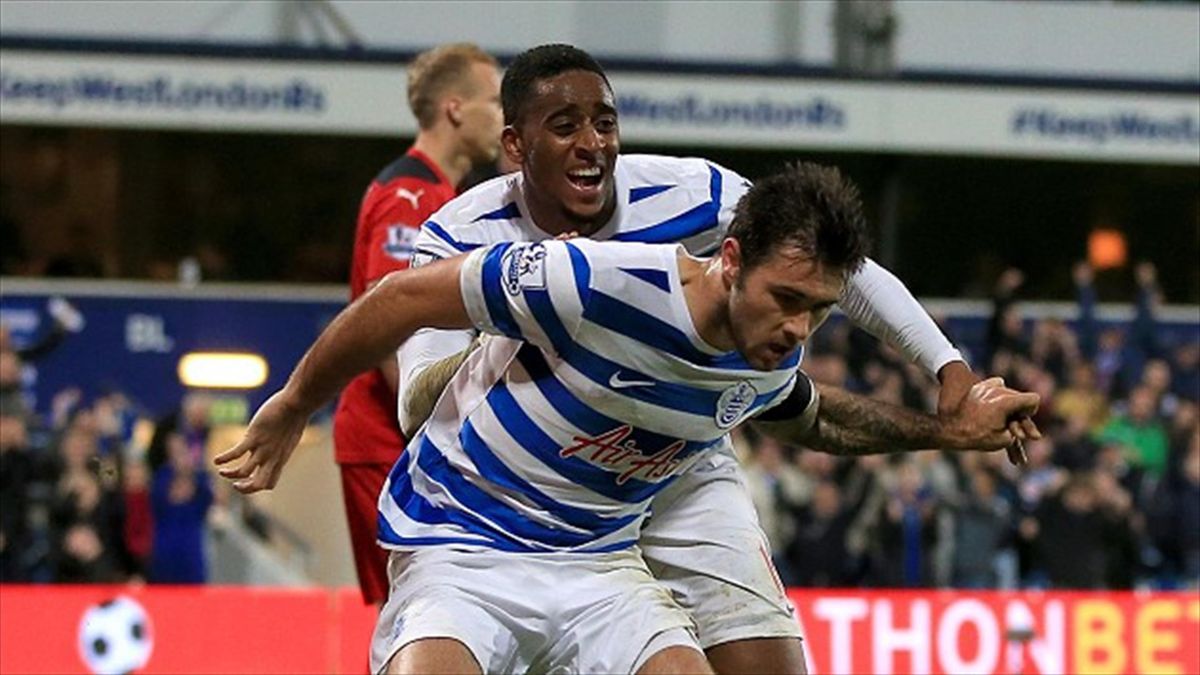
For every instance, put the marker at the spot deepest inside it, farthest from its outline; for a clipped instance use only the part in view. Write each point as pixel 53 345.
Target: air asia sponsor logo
pixel 817 113
pixel 523 268
pixel 1181 129
pixel 734 403
pixel 161 92
pixel 615 451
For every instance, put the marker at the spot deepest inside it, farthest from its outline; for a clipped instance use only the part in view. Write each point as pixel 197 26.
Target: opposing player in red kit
pixel 454 92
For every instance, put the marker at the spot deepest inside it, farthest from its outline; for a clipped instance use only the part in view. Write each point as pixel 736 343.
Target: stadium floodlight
pixel 222 370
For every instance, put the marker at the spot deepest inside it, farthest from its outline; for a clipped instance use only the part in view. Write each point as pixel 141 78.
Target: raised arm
pixel 833 420
pixel 358 339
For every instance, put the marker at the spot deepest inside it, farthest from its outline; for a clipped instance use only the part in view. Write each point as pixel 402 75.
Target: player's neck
pixel 553 219
pixel 446 153
pixel 707 299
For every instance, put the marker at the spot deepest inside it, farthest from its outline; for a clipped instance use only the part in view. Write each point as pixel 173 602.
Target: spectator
pixel 778 489
pixel 1184 423
pixel 181 496
pixel 1006 331
pixel 1082 398
pixel 1040 477
pixel 818 555
pixel 1144 342
pixel 1068 535
pixel 1122 533
pixel 907 532
pixel 16 469
pixel 138 531
pixel 1110 362
pixel 87 497
pixel 190 421
pixel 1086 329
pixel 1054 348
pixel 1075 446
pixel 1156 377
pixel 1140 432
pixel 12 399
pixel 982 527
pixel 1186 371
pixel 1176 518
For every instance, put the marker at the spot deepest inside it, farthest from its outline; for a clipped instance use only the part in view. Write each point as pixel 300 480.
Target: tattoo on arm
pixel 848 424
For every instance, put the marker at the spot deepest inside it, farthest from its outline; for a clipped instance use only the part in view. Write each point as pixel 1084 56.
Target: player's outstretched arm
pixel 847 424
pixel 356 340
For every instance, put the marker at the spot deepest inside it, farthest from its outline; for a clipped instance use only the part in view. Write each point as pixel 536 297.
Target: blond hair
pixel 435 71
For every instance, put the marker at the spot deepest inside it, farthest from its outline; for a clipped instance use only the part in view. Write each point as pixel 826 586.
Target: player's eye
pixel 606 125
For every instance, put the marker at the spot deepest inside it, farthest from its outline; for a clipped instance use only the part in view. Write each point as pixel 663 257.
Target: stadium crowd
pixel 1110 498
pixel 94 492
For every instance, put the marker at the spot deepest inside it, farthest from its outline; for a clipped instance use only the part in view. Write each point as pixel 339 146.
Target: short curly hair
pixel 812 208
pixel 539 63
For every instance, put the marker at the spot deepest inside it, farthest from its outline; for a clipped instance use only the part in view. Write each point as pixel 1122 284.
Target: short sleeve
pixel 535 292
pixel 433 242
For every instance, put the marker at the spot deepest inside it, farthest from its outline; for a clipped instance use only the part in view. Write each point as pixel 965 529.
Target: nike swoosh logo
pixel 617 383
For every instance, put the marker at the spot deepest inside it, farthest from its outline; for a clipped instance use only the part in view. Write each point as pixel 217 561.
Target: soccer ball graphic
pixel 115 636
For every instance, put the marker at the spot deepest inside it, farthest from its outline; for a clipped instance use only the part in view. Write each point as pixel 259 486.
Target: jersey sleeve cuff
pixel 471 282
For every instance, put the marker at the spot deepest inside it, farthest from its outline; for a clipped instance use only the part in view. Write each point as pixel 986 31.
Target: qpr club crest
pixel 523 268
pixel 733 403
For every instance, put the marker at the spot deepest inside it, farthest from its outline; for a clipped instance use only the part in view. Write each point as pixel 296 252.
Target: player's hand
pixel 268 444
pixel 993 416
pixel 957 379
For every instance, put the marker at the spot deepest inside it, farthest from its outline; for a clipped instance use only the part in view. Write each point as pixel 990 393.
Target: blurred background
pixel 183 178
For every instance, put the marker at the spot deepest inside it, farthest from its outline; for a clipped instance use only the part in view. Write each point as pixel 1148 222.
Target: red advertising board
pixel 78 629
pixel 213 629
pixel 995 632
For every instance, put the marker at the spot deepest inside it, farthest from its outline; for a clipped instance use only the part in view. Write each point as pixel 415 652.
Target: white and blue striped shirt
pixel 556 435
pixel 660 199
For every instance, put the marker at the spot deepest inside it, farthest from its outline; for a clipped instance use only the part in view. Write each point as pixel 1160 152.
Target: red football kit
pixel 366 434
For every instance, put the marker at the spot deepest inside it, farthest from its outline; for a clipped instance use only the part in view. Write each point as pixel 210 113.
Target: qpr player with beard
pixel 638 342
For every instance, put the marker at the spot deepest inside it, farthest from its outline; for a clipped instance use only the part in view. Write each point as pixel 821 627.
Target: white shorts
pixel 560 613
pixel 703 542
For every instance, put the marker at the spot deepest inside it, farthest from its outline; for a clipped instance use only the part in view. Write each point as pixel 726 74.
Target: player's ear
pixel 731 261
pixel 454 110
pixel 510 142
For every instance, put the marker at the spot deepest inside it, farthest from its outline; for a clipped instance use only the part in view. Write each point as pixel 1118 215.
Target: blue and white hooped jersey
pixel 660 200
pixel 555 436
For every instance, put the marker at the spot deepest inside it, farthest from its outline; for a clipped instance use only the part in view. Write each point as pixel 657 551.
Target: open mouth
pixel 778 351
pixel 586 180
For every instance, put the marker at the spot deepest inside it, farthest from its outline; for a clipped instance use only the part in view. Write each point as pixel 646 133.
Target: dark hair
pixel 539 63
pixel 807 206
